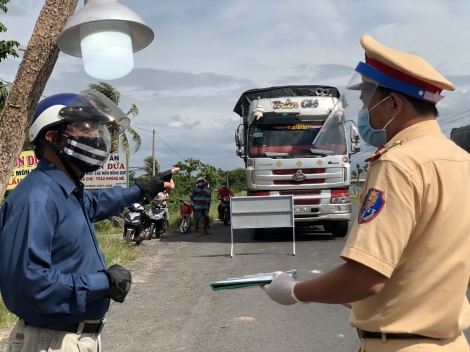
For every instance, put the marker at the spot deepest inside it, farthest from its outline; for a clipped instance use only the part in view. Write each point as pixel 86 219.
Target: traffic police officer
pixel 408 256
pixel 53 275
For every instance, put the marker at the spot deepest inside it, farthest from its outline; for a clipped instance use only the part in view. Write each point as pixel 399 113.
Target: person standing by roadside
pixel 208 190
pixel 408 256
pixel 201 206
pixel 53 275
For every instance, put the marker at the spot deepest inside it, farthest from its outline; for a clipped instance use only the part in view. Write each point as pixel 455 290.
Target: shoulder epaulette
pixel 381 151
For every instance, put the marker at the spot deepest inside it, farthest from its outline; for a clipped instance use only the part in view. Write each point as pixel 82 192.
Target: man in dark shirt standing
pixel 53 275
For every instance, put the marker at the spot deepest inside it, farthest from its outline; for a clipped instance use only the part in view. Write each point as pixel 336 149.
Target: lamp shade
pixel 100 14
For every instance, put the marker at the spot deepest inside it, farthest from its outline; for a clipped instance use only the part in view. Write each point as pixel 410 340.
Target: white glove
pixel 281 289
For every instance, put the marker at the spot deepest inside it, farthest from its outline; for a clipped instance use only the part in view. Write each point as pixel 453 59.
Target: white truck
pixel 277 141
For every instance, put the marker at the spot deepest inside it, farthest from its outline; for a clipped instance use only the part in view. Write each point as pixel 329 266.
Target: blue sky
pixel 206 53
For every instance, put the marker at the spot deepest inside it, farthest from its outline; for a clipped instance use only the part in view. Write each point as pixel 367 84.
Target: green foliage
pixel 7 319
pixel 3 5
pixel 236 179
pixel 148 169
pixel 7 47
pixel 185 180
pixel 108 90
pixel 4 91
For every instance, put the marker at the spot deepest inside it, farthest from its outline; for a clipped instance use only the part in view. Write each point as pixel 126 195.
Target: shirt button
pixel 75 190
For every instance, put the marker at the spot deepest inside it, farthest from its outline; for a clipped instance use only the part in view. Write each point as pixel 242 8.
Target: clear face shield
pixel 356 97
pixel 92 122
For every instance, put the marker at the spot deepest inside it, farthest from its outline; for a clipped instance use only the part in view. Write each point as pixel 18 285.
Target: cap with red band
pixel 402 72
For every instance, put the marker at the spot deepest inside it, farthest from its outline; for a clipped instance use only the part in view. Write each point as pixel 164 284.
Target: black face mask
pixel 86 153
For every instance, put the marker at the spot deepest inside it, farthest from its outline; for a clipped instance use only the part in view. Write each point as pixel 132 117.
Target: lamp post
pixel 105 34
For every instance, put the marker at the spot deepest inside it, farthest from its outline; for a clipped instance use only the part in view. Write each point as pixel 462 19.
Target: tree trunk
pixel 33 73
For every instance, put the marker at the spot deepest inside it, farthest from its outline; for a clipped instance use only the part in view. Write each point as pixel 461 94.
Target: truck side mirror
pixel 354 133
pixel 241 152
pixel 240 136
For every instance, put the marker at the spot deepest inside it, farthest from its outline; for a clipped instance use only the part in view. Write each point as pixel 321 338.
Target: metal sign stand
pixel 262 212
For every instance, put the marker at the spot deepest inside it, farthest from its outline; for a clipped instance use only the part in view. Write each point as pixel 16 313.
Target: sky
pixel 207 53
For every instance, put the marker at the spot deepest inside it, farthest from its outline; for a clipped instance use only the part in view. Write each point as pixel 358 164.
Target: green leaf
pixel 8 48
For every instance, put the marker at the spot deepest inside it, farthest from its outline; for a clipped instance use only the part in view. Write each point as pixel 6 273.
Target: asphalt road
pixel 171 306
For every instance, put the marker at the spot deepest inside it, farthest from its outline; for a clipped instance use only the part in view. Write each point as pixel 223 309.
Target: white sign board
pixel 114 172
pixel 262 212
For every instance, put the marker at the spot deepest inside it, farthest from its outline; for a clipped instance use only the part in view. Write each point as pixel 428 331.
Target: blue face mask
pixel 224 186
pixel 370 136
pixel 200 184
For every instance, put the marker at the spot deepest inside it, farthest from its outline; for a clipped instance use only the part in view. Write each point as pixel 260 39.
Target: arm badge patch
pixel 372 206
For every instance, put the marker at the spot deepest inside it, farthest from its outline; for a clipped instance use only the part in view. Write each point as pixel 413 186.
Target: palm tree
pixel 148 169
pixel 123 141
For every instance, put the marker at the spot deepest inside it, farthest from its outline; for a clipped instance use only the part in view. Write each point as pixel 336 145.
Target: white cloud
pixel 207 52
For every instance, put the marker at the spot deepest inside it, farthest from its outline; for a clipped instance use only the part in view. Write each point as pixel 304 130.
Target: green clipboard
pixel 247 281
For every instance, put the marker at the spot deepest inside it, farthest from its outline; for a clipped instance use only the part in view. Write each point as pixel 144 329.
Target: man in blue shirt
pixel 53 275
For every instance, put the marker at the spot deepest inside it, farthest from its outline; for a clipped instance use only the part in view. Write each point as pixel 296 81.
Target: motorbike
pixel 134 221
pixel 157 220
pixel 225 207
pixel 185 222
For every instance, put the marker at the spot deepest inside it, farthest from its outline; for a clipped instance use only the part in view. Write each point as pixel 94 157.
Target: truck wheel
pixel 339 228
pixel 257 234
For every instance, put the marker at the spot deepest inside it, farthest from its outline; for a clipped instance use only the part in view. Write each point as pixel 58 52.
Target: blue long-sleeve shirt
pixel 50 261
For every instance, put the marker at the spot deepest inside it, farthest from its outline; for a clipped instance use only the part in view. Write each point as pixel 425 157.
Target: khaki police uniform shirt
pixel 414 228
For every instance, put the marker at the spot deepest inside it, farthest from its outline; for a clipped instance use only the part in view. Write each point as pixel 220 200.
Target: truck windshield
pixel 292 139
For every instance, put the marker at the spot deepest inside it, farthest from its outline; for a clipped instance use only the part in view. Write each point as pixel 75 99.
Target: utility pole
pixel 153 153
pixel 33 73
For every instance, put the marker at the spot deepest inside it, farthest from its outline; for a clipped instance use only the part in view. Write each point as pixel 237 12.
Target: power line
pixel 140 128
pixel 42 95
pixel 447 118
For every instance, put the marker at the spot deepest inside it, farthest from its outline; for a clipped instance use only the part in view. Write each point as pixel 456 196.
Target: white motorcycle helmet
pixel 89 121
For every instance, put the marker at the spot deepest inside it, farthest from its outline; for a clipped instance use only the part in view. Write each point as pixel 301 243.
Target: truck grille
pixel 306 201
pixel 304 182
pixel 300 192
pixel 293 171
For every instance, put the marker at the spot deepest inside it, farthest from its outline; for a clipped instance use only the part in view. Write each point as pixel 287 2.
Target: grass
pixel 7 319
pixel 114 248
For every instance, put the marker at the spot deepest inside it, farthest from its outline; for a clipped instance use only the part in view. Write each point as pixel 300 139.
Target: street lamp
pixel 106 34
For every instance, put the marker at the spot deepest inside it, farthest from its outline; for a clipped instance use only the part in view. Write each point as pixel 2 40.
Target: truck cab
pixel 283 155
